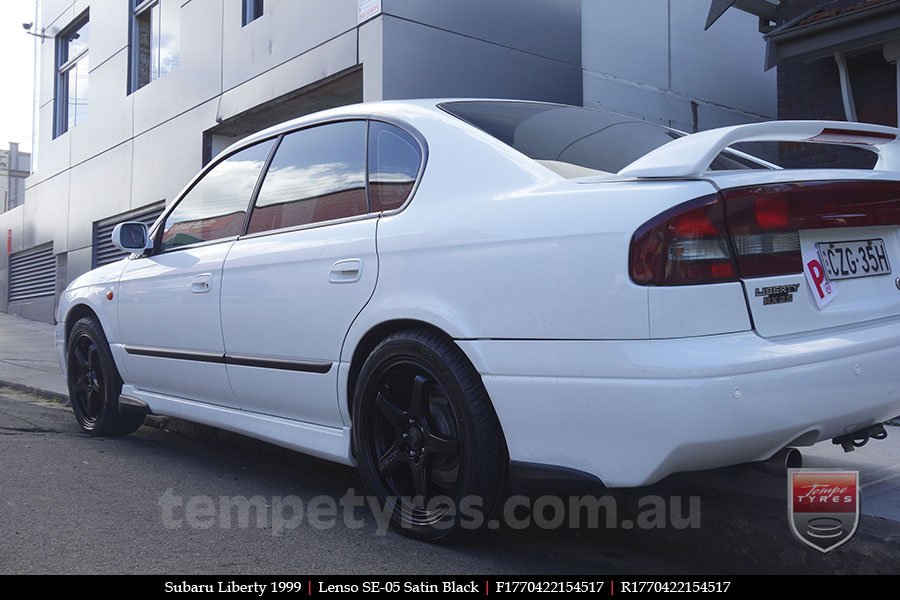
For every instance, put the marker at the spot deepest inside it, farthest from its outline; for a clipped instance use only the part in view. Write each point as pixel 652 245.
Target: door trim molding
pixel 193 355
pixel 277 363
pixel 241 360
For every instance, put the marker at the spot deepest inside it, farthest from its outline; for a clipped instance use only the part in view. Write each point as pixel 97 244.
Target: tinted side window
pixel 394 160
pixel 216 206
pixel 318 174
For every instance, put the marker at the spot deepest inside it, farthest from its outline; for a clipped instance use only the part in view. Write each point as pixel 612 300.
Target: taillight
pixel 685 245
pixel 689 244
pixel 766 241
pixel 765 221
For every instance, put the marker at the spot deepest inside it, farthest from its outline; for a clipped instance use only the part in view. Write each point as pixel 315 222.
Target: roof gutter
pixel 862 28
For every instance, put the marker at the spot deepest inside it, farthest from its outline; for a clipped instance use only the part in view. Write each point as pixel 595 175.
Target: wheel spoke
pixel 418 399
pixel 82 357
pixel 94 402
pixel 436 444
pixel 93 358
pixel 420 479
pixel 390 460
pixel 395 416
pixel 80 384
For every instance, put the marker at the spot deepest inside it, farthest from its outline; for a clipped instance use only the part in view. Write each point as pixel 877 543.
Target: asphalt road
pixel 76 504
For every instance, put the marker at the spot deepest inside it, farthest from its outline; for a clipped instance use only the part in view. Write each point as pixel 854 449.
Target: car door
pixel 169 315
pixel 293 285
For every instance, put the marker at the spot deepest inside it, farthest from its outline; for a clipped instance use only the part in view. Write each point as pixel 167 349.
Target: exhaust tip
pixel 792 459
pixel 781 461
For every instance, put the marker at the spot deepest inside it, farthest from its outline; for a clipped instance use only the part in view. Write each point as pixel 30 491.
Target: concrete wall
pixel 672 71
pixel 496 49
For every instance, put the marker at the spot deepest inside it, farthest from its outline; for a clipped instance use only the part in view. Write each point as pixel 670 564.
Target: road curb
pixel 35 391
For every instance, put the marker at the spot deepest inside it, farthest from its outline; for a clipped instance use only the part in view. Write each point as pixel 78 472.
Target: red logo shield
pixel 823 506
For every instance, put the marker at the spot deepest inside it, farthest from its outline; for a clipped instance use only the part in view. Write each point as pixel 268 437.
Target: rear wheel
pixel 427 437
pixel 95 384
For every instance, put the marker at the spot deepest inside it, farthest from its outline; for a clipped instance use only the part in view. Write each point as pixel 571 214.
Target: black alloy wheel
pixel 88 386
pixel 94 382
pixel 426 436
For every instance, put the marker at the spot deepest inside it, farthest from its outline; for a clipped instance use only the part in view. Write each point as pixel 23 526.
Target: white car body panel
pixel 88 292
pixel 528 272
pixel 278 301
pixel 159 308
pixel 330 443
pixel 632 412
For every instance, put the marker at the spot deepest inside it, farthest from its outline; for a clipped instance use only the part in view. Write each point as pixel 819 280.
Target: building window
pixel 155 39
pixel 253 9
pixel 71 75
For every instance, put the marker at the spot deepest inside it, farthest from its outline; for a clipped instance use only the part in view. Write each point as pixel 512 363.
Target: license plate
pixel 857 258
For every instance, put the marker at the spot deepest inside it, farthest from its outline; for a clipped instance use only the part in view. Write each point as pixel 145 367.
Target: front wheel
pixel 428 441
pixel 94 382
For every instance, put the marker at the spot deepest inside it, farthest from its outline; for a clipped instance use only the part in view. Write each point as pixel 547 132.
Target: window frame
pixel 406 127
pixel 136 10
pixel 157 229
pixel 64 65
pixel 251 10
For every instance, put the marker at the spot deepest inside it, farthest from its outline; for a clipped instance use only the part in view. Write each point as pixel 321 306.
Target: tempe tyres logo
pixel 823 506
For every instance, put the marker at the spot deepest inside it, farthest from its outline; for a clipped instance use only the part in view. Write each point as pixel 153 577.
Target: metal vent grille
pixel 32 273
pixel 104 252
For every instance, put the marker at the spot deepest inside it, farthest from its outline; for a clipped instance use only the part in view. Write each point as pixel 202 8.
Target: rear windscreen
pixel 574 141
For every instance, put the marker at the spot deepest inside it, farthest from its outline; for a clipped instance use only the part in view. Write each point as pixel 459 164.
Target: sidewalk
pixel 28 358
pixel 742 508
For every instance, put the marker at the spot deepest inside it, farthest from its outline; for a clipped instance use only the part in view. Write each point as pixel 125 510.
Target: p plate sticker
pixel 823 290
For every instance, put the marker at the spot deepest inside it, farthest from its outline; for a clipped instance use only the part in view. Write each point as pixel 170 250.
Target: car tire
pixel 94 382
pixel 427 438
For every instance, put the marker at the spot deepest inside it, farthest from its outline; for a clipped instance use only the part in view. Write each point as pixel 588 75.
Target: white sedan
pixel 455 294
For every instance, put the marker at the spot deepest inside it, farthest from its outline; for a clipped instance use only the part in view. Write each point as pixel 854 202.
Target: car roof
pixel 391 110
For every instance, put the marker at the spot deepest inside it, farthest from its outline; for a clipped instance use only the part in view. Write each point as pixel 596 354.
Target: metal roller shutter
pixel 32 273
pixel 104 252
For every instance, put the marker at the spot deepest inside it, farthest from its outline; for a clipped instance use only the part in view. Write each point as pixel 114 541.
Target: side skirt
pixel 329 443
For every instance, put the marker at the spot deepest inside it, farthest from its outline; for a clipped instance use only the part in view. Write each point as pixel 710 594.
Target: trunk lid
pixel 815 249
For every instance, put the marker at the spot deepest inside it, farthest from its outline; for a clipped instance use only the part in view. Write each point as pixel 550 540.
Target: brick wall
pixel 813 91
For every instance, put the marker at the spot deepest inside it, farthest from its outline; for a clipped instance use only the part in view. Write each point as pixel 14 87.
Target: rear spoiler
pixel 691 155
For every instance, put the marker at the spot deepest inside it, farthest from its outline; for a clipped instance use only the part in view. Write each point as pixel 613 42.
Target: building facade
pixel 136 96
pixel 15 166
pixel 653 59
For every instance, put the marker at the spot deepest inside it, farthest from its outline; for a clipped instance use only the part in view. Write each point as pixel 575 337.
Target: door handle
pixel 201 283
pixel 346 271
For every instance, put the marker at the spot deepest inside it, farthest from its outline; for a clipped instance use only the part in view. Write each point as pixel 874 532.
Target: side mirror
pixel 132 237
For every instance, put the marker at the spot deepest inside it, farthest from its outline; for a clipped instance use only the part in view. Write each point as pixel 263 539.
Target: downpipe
pixel 780 462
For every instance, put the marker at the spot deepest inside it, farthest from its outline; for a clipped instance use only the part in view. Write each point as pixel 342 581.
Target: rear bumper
pixel 632 412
